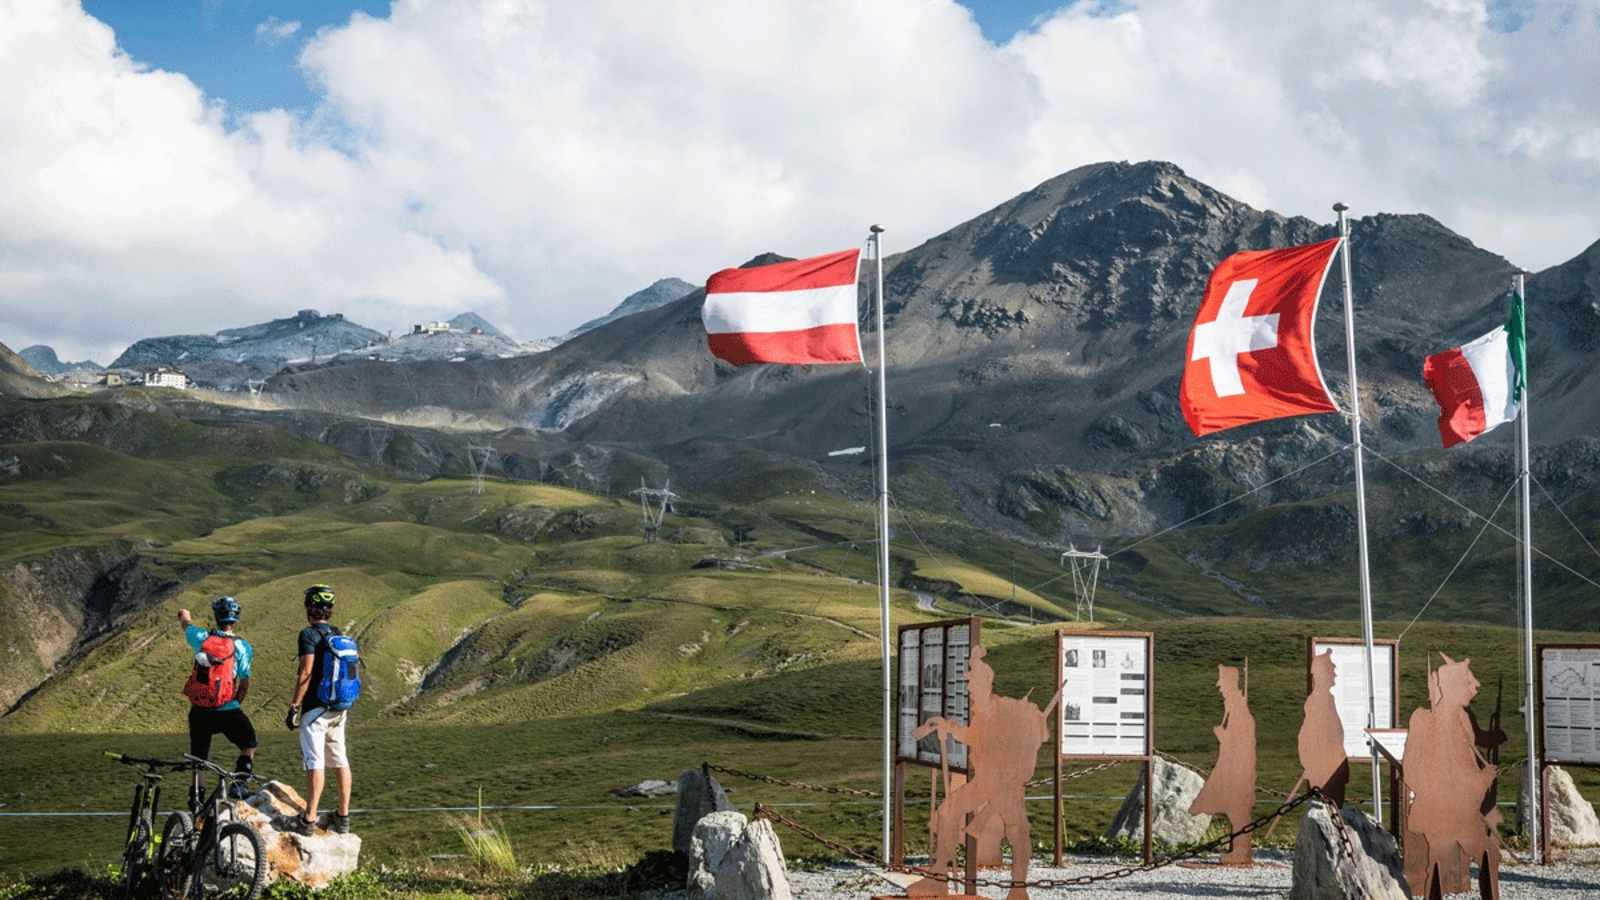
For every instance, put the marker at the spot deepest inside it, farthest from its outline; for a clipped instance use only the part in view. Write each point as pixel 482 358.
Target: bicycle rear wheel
pixel 236 865
pixel 136 858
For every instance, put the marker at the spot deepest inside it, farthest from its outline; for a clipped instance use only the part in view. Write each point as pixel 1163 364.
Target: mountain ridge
pixel 43 359
pixel 1041 315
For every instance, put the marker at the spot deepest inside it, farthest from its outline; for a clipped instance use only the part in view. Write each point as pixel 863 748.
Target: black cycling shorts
pixel 232 724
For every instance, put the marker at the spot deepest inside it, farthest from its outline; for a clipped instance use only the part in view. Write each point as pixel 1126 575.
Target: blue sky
pixel 237 51
pixel 217 45
pixel 482 152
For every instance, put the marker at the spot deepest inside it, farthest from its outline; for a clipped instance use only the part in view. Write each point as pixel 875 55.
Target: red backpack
pixel 213 681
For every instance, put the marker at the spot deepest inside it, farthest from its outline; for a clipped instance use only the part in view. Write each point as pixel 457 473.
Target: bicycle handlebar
pixel 127 760
pixel 195 762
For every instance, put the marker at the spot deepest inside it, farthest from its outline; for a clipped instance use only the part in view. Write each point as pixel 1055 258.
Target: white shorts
pixel 322 732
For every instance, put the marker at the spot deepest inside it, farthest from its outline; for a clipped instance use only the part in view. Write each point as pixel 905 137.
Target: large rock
pixel 1170 821
pixel 699 795
pixel 752 869
pixel 650 787
pixel 313 861
pixel 714 836
pixel 1572 820
pixel 1324 870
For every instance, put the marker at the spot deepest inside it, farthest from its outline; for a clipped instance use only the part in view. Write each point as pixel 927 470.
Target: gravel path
pixel 1270 878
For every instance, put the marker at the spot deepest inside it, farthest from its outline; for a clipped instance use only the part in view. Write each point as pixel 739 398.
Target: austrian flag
pixel 1252 354
pixel 798 312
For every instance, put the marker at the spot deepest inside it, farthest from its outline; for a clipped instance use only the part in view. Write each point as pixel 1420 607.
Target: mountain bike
pixel 142 847
pixel 206 852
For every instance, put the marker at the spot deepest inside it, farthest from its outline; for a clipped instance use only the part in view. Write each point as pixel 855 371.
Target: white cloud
pixel 538 160
pixel 273 30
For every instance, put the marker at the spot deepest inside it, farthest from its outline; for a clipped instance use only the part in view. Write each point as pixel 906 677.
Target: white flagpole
pixel 883 551
pixel 1534 821
pixel 1361 510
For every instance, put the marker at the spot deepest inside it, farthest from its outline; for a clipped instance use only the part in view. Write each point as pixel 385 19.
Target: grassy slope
pixel 815 724
pixel 554 656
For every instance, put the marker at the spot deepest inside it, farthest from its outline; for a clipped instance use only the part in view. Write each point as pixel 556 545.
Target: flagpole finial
pixel 876 229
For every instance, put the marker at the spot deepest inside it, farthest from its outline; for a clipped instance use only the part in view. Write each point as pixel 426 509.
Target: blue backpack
pixel 340 686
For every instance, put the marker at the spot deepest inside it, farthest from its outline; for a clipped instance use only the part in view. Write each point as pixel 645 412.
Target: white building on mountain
pixel 167 377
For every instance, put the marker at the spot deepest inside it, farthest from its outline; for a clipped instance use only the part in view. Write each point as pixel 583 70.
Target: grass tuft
pixel 487 845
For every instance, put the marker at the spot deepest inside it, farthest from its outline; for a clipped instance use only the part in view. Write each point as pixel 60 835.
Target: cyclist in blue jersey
pixel 217 689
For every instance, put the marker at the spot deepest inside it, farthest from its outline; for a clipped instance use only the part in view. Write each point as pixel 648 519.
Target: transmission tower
pixel 255 385
pixel 1085 566
pixel 377 442
pixel 479 455
pixel 654 504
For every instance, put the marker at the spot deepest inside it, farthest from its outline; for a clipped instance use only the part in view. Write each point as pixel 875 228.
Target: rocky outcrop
pixel 1571 819
pixel 714 836
pixel 312 861
pixel 57 602
pixel 1363 864
pixel 699 795
pixel 753 869
pixel 1170 821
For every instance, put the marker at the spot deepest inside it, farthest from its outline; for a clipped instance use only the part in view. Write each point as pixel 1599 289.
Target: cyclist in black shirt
pixel 321 730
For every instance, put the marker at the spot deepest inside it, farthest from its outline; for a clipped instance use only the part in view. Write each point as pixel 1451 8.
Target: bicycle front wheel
pixel 236 865
pixel 172 857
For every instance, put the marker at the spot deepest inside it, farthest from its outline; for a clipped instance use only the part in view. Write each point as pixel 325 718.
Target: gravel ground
pixel 1269 878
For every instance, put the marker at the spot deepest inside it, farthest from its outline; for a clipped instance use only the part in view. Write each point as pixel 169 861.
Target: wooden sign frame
pixel 1147 757
pixel 1394 678
pixel 1544 749
pixel 897 841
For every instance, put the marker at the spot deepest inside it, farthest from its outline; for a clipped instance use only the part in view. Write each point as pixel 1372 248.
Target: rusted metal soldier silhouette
pixel 1003 741
pixel 1323 763
pixel 1231 789
pixel 1451 820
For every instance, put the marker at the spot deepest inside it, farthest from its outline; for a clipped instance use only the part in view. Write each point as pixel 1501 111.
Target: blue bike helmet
pixel 226 610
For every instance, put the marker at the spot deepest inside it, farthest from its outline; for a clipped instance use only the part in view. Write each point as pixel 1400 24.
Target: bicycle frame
pixel 207 825
pixel 138 858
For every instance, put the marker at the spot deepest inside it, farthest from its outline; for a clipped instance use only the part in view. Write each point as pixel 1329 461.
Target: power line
pixel 1171 528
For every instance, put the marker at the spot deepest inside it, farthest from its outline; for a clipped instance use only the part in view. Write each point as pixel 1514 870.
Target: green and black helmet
pixel 319 595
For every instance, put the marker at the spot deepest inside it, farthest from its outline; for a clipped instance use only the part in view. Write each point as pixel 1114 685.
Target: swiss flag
pixel 1251 355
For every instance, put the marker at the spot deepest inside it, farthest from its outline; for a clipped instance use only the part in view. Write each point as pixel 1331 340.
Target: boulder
pixel 713 837
pixel 1572 820
pixel 1324 870
pixel 1170 821
pixel 312 861
pixel 699 795
pixel 752 869
pixel 650 787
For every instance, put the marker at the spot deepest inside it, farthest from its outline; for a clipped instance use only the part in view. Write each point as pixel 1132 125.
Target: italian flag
pixel 1479 384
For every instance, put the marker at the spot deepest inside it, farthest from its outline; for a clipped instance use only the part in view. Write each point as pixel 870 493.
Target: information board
pixel 1105 694
pixel 933 662
pixel 1569 685
pixel 1350 688
pixel 1392 741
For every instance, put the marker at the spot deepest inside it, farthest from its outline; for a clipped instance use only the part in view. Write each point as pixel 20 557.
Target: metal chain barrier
pixel 1213 846
pixel 874 795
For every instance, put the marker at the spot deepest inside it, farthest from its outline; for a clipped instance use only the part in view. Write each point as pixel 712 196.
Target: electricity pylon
pixel 479 455
pixel 654 504
pixel 1085 566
